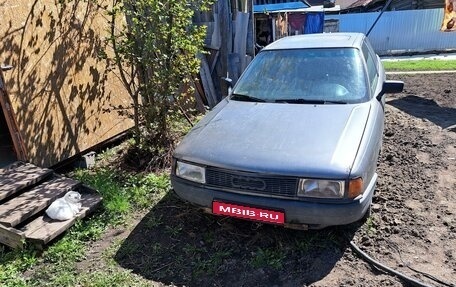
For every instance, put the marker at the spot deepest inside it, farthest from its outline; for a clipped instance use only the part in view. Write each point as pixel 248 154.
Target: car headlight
pixel 191 172
pixel 321 188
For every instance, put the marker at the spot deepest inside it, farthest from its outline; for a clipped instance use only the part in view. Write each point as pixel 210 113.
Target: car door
pixel 375 126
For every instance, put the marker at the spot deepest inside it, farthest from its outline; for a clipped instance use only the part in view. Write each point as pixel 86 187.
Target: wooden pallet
pixel 19 176
pixel 25 193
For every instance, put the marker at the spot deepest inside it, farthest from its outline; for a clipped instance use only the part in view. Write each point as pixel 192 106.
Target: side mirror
pixel 391 87
pixel 229 83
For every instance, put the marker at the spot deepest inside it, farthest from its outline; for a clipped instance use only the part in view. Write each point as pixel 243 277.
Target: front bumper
pixel 297 212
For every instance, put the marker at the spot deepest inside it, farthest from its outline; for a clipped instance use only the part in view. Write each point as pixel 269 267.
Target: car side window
pixel 371 67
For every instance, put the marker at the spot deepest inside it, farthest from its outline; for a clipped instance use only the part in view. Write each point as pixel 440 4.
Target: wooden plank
pixel 214 58
pixel 240 37
pixel 250 45
pixel 212 61
pixel 11 237
pixel 15 179
pixel 226 30
pixel 10 167
pixel 208 85
pixel 215 38
pixel 29 203
pixel 234 67
pixel 199 89
pixel 243 6
pixel 43 229
pixel 218 72
pixel 199 100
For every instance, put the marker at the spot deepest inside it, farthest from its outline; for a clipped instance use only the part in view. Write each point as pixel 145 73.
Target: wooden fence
pixel 229 45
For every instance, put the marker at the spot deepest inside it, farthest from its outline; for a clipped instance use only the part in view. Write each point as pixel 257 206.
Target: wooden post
pixel 240 37
pixel 207 83
pixel 226 31
pixel 251 31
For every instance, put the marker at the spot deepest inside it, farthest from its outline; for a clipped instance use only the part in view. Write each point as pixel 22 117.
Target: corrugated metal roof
pixel 311 9
pixel 345 3
pixel 265 2
pixel 430 4
pixel 372 5
pixel 279 6
pixel 402 5
pixel 360 3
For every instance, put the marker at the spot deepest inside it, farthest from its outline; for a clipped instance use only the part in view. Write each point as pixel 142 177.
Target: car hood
pixel 287 139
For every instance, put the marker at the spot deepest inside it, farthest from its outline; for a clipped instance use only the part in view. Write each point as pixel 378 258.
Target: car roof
pixel 322 40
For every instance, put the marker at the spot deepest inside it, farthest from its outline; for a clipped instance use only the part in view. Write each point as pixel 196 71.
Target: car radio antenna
pixel 381 13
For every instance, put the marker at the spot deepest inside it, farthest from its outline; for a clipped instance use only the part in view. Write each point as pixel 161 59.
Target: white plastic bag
pixel 66 207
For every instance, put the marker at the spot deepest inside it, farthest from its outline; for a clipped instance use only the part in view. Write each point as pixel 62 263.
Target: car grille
pixel 251 182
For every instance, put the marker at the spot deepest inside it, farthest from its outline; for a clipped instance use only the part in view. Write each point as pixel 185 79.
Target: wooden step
pixel 25 192
pixel 43 229
pixel 11 237
pixel 19 176
pixel 29 203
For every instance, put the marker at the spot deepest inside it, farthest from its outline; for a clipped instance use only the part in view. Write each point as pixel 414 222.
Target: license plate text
pixel 257 214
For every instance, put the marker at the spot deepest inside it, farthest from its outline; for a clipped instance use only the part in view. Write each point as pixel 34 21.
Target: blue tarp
pixel 278 7
pixel 315 23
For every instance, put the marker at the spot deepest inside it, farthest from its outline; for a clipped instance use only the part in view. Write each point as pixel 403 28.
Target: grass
pixel 271 257
pixel 120 199
pixel 123 195
pixel 13 263
pixel 370 226
pixel 173 242
pixel 210 266
pixel 420 65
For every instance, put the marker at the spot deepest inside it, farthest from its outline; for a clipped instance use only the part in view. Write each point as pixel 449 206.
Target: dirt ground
pixel 414 208
pixel 413 220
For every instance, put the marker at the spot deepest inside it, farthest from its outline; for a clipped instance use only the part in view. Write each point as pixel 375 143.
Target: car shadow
pixel 177 243
pixel 445 117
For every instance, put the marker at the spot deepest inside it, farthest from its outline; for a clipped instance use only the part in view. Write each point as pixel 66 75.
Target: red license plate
pixel 246 212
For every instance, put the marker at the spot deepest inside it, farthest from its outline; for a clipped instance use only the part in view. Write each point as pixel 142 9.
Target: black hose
pixel 432 277
pixel 380 266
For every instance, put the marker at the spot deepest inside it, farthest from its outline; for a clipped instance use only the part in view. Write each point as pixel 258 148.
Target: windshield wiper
pixel 246 98
pixel 304 101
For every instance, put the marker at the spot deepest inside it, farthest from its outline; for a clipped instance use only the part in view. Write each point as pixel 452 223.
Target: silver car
pixel 297 141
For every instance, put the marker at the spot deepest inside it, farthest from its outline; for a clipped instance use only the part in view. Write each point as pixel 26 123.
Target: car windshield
pixel 304 76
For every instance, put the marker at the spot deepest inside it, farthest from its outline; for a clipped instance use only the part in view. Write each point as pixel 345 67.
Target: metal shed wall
pixel 401 31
